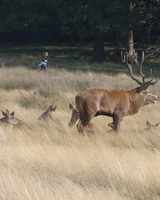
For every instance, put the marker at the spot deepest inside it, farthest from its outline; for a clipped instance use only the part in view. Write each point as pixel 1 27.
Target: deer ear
pixel 157 125
pixel 3 113
pixel 71 107
pixel 12 114
pixel 148 124
pixel 50 108
pixel 53 109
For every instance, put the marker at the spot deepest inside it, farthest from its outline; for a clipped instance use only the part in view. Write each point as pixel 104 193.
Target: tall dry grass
pixel 53 162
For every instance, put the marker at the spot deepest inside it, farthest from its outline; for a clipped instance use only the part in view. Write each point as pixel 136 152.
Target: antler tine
pixel 152 83
pixel 123 58
pixel 129 66
pixel 142 58
pixel 134 58
pixel 140 67
pixel 145 76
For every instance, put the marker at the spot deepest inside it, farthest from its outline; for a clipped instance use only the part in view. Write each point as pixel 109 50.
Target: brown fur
pixel 115 103
pixel 76 116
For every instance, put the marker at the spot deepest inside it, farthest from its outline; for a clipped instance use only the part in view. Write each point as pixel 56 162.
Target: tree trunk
pixel 149 34
pixel 130 43
pixel 98 50
pixel 131 39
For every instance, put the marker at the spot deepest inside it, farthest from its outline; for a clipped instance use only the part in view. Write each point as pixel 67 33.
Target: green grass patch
pixel 68 57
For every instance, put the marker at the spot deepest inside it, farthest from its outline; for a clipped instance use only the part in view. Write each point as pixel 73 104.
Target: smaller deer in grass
pixel 47 114
pixel 9 119
pixel 76 116
pixel 151 127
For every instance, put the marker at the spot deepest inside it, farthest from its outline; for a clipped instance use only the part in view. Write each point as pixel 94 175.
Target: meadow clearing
pixel 51 161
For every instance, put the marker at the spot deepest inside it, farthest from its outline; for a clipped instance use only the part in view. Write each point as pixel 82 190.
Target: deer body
pixel 115 103
pixel 108 101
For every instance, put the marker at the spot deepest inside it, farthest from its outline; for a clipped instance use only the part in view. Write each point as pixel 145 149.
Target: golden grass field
pixel 50 161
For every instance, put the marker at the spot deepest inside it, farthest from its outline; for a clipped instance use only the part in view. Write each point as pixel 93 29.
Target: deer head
pixel 75 115
pixel 48 113
pixel 147 96
pixel 151 127
pixel 9 119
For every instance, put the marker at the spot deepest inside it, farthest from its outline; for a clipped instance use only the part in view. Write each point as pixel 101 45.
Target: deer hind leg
pixel 84 121
pixel 80 127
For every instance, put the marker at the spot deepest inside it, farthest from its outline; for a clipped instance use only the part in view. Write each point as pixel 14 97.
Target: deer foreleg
pixel 80 127
pixel 112 125
pixel 117 118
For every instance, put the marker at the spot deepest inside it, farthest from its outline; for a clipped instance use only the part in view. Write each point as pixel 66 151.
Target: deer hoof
pixel 111 125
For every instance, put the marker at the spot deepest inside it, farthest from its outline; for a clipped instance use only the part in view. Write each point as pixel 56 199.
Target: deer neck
pixel 136 101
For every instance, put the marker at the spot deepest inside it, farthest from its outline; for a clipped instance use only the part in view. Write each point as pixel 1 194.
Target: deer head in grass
pixel 9 119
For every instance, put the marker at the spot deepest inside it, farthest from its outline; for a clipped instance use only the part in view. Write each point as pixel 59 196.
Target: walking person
pixel 43 63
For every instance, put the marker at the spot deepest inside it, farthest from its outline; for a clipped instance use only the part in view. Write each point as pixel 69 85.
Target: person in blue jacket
pixel 43 63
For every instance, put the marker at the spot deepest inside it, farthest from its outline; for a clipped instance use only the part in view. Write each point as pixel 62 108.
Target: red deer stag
pixel 47 114
pixel 76 116
pixel 151 127
pixel 115 103
pixel 9 119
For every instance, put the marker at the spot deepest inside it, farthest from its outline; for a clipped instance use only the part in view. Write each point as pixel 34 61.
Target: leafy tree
pixel 140 21
pixel 95 21
pixel 88 19
pixel 26 19
pixel 149 15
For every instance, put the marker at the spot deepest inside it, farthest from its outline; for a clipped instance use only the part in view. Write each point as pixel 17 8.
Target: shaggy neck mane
pixel 136 100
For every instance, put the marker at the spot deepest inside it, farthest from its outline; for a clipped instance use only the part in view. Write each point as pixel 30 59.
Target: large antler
pixel 125 59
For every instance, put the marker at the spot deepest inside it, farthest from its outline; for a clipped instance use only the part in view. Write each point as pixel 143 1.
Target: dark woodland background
pixel 120 23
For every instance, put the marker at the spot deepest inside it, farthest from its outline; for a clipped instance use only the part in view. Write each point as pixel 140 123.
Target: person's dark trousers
pixel 43 67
